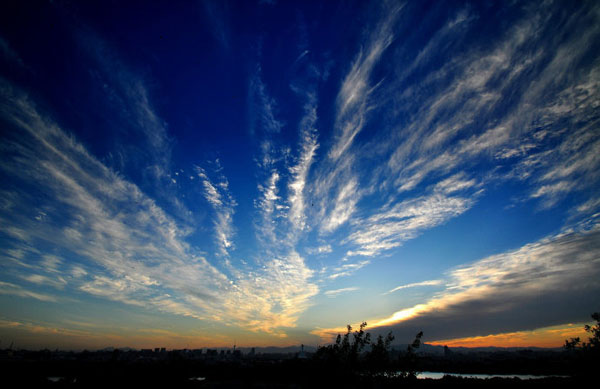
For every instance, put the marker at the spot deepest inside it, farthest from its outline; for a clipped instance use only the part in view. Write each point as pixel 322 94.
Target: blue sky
pixel 267 172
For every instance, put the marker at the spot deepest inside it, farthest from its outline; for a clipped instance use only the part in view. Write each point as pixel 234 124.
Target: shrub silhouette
pixel 410 358
pixel 593 343
pixel 586 355
pixel 378 360
pixel 344 353
pixel 347 356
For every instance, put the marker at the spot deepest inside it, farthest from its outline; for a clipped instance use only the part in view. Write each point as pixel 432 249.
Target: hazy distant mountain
pixel 439 350
pixel 124 349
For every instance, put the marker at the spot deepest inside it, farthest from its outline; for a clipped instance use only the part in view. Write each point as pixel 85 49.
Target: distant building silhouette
pixel 447 352
pixel 302 354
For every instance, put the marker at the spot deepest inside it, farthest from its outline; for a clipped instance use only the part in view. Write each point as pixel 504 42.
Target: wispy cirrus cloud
pixel 103 219
pixel 465 121
pixel 57 282
pixel 405 220
pixel 270 209
pixel 324 249
pixel 421 130
pixel 128 97
pixel 8 288
pixel 337 183
pixel 127 248
pixel 470 117
pixel 218 196
pixel 347 269
pixel 455 183
pixel 282 207
pixel 262 108
pixel 274 297
pixel 216 18
pixel 471 95
pixel 336 292
pixel 264 126
pixel 415 285
pixel 573 164
pixel 353 98
pixel 344 206
pixel 299 171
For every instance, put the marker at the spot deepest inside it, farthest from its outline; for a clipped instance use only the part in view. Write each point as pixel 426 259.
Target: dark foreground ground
pixel 188 370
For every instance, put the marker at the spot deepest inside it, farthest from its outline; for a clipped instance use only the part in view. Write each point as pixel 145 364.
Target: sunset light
pixel 244 174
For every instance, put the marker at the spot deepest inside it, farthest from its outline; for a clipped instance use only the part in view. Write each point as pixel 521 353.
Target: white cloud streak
pixel 268 205
pixel 56 282
pixel 416 284
pixel 336 292
pixel 218 195
pixel 353 98
pixel 263 108
pixel 353 103
pixel 299 172
pixel 403 221
pixel 348 269
pixel 7 288
pixel 345 206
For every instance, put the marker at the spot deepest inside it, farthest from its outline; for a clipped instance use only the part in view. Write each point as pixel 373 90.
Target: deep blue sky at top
pixel 268 167
pixel 197 59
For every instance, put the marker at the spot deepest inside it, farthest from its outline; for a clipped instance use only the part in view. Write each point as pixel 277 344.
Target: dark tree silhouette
pixel 410 361
pixel 346 355
pixel 345 352
pixel 586 355
pixel 593 343
pixel 378 360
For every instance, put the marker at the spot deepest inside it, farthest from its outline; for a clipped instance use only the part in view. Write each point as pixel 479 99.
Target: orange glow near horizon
pixel 548 337
pixel 328 334
pixel 543 337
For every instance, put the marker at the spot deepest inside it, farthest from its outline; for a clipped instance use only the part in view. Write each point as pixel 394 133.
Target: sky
pixel 199 174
